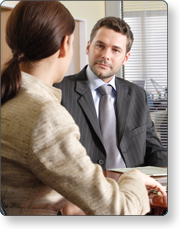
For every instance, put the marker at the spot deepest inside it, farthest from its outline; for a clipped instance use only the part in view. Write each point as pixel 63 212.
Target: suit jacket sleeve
pixel 156 154
pixel 58 159
pixel 138 141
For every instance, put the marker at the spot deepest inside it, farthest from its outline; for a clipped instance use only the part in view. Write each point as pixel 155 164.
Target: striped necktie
pixel 108 129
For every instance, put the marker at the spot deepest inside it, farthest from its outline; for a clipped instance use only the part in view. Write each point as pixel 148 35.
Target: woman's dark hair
pixel 35 30
pixel 116 24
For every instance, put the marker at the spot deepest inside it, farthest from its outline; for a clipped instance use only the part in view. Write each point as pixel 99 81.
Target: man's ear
pixel 87 47
pixel 126 58
pixel 64 47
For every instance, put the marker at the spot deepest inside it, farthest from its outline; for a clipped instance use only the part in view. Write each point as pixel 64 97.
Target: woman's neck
pixel 44 70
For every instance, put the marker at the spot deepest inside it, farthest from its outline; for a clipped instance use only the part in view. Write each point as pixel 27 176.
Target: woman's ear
pixel 64 47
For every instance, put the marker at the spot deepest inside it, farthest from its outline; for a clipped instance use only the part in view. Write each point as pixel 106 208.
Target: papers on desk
pixel 148 170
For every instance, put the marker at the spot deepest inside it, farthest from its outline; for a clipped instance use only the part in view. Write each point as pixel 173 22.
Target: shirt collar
pixel 95 82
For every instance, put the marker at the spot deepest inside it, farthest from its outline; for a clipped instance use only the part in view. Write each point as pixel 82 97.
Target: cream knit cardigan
pixel 43 162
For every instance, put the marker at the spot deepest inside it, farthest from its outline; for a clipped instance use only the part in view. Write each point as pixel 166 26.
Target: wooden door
pixel 5 50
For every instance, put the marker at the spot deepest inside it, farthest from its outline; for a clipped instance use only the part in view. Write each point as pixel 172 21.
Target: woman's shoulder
pixel 51 110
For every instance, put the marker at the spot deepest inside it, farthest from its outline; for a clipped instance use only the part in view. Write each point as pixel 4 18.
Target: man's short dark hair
pixel 116 24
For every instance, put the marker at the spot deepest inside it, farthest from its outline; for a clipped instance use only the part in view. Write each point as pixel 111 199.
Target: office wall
pixel 88 10
pixel 92 11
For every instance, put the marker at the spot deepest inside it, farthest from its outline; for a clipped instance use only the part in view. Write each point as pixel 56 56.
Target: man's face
pixel 107 53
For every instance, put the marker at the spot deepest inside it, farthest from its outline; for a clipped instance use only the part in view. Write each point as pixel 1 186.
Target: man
pixel 134 136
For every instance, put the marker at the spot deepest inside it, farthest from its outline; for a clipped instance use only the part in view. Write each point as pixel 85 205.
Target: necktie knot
pixel 105 89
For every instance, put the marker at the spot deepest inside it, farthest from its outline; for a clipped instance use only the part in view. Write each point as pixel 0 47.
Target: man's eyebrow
pixel 115 46
pixel 100 42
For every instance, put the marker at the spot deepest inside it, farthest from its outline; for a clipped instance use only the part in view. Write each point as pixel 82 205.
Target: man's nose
pixel 106 54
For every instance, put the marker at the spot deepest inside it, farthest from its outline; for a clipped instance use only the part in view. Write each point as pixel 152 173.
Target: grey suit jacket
pixel 138 143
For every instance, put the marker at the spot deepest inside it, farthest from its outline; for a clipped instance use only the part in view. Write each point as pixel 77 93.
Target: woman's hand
pixel 71 209
pixel 151 184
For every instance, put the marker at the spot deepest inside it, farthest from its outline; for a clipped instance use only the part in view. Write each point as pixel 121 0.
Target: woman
pixel 42 161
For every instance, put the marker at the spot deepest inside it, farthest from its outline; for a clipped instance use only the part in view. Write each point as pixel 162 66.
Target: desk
pixel 156 201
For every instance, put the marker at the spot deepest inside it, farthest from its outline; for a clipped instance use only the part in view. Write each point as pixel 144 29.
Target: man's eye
pixel 99 46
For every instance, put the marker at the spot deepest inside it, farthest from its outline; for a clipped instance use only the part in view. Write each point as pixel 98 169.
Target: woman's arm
pixel 58 159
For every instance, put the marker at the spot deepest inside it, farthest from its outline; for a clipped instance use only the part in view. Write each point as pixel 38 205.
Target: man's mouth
pixel 103 65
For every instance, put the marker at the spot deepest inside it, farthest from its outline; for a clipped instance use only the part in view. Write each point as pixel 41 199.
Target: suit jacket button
pixel 101 162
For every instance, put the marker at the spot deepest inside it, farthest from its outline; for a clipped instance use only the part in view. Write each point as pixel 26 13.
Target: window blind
pixel 147 65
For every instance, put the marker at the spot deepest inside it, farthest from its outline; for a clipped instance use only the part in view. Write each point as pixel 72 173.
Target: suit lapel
pixel 122 107
pixel 86 101
pixel 87 104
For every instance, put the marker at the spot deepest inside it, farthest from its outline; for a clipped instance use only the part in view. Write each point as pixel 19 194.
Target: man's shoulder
pixel 128 84
pixel 72 79
pixel 66 82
